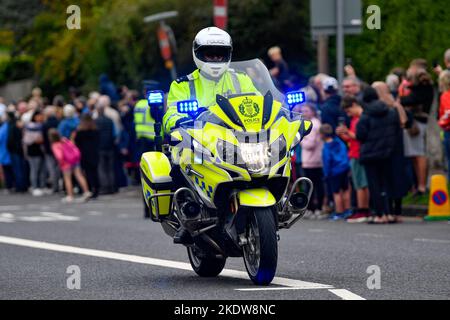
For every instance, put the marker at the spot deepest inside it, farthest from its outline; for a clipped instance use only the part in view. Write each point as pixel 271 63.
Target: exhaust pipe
pixel 299 201
pixel 189 213
pixel 295 205
pixel 190 210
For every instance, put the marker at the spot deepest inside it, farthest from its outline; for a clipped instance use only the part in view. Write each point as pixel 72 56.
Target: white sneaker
pixel 319 215
pixel 67 199
pixel 86 196
pixel 47 191
pixel 37 192
pixel 308 215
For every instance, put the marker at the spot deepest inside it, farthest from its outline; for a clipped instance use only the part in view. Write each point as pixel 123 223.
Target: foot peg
pixel 182 236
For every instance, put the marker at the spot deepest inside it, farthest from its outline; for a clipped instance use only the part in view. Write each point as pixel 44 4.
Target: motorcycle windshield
pixel 259 75
pixel 251 108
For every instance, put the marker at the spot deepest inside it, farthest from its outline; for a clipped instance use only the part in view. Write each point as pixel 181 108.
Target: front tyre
pixel 203 265
pixel 261 250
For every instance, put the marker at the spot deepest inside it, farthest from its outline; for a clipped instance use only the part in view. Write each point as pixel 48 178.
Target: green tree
pixel 409 30
pixel 113 38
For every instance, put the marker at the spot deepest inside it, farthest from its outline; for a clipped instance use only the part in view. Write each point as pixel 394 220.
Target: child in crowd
pixel 354 110
pixel 336 167
pixel 68 157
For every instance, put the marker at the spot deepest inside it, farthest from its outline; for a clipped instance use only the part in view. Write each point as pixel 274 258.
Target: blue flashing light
pixel 295 97
pixel 187 106
pixel 155 98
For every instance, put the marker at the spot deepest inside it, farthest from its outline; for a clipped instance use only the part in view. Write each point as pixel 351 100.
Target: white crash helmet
pixel 216 43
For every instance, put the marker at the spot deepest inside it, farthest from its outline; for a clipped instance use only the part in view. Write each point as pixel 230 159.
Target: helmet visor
pixel 213 54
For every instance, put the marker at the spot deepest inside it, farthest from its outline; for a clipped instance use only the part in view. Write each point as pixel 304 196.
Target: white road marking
pixel 297 284
pixel 432 240
pixel 345 294
pixel 123 215
pixel 277 280
pixel 274 288
pixel 7 217
pixel 43 217
pixel 59 216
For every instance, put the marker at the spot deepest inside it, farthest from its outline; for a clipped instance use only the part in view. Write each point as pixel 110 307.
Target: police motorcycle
pixel 235 161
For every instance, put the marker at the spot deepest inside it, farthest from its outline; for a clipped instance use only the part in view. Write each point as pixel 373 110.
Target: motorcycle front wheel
pixel 261 250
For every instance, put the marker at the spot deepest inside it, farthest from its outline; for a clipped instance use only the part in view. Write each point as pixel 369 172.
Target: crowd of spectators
pixel 367 149
pixel 84 146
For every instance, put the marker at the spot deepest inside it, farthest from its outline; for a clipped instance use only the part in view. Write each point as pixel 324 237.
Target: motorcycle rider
pixel 211 50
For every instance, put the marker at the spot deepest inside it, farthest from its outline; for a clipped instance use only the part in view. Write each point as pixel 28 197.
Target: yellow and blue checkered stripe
pixel 205 188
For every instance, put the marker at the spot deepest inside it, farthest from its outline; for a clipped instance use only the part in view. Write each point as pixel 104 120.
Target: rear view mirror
pixel 155 98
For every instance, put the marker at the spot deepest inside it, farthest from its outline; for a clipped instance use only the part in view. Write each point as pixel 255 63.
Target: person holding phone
pixel 437 68
pixel 331 112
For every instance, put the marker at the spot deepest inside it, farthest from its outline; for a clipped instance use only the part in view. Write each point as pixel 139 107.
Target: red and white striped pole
pixel 221 14
pixel 166 51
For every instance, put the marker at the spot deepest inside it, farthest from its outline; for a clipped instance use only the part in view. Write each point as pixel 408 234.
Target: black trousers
pixel 395 206
pixel 106 172
pixel 8 174
pixel 378 176
pixel 91 173
pixel 316 176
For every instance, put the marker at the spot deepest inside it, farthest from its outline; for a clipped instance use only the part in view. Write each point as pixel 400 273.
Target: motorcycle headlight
pixel 256 156
pixel 229 153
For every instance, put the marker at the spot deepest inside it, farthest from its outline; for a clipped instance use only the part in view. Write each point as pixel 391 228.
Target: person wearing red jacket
pixel 444 112
pixel 354 110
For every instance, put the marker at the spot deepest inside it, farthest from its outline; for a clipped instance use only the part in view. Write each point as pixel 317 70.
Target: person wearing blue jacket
pixel 336 166
pixel 330 110
pixel 5 158
pixel 70 122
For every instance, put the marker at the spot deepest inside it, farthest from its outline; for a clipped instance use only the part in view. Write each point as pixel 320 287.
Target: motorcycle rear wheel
pixel 205 266
pixel 261 251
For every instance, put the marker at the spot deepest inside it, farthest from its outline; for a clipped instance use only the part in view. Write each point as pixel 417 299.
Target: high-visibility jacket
pixel 196 86
pixel 144 124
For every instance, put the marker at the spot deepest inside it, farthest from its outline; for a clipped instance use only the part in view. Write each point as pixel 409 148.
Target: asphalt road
pixel 122 256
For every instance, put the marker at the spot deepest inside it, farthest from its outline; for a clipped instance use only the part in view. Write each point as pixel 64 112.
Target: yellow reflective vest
pixel 196 86
pixel 144 124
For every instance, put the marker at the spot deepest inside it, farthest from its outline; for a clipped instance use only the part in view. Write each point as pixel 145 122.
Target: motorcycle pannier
pixel 155 179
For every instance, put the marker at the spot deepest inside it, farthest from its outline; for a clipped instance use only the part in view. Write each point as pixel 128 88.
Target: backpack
pixel 71 153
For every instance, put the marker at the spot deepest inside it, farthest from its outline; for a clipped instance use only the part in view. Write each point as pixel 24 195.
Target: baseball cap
pixel 330 84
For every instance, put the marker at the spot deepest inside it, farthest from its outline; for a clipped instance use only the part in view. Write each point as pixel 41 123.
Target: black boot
pixel 182 236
